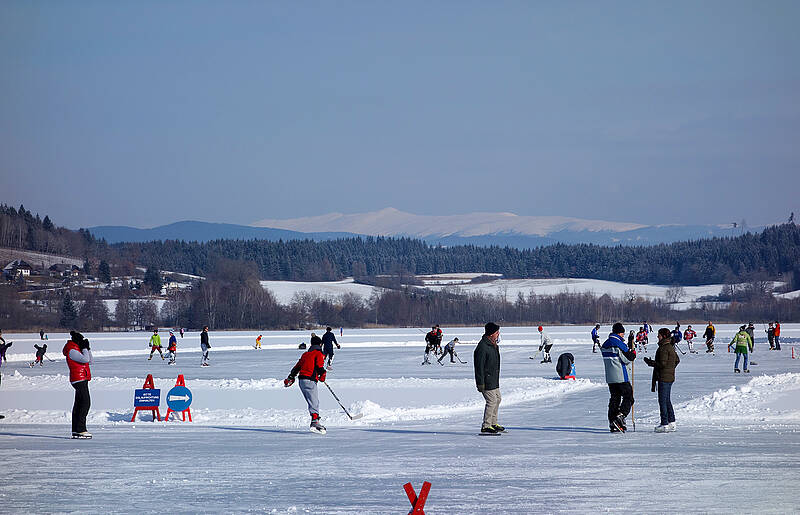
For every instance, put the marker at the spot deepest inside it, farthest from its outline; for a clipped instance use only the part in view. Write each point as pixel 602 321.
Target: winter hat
pixel 617 328
pixel 315 340
pixel 76 336
pixel 490 328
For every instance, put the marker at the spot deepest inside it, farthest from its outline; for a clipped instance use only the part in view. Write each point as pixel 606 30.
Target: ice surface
pixel 249 448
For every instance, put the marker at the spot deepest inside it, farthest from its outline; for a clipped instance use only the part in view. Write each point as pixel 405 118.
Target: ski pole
pixel 342 405
pixel 633 382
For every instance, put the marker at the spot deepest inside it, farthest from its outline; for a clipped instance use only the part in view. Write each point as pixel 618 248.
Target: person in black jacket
pixel 486 359
pixel 40 351
pixel 664 374
pixel 328 341
pixel 204 346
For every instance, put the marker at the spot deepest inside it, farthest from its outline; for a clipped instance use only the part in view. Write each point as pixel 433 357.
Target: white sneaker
pixel 661 429
pixel 672 427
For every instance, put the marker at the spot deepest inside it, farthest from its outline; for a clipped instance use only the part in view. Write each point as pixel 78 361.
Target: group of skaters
pixel 433 344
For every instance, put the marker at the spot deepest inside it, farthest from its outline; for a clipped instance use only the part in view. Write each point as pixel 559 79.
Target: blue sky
pixel 144 113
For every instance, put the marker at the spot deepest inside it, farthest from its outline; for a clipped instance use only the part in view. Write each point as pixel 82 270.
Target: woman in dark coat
pixel 664 374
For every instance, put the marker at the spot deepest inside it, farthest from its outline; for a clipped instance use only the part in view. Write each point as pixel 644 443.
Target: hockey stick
pixel 677 347
pixel 535 355
pixel 48 359
pixel 459 359
pixel 633 382
pixel 352 417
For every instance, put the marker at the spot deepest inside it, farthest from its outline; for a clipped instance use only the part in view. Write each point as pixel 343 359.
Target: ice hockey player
pixel 688 335
pixel 450 349
pixel 172 348
pixel 545 343
pixel 258 343
pixel 328 341
pixel 677 335
pixel 311 369
pixel 777 335
pixel 565 366
pixel 39 354
pixel 3 348
pixel 709 334
pixel 430 345
pixel 664 374
pixel 743 343
pixel 771 336
pixel 438 342
pixel 751 330
pixel 616 357
pixel 204 346
pixel 647 329
pixel 155 344
pixel 641 339
pixel 595 338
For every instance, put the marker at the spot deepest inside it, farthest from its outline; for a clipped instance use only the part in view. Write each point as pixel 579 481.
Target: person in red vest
pixel 310 368
pixel 79 357
pixel 777 335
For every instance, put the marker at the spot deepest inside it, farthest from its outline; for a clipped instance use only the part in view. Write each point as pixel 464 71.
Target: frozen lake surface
pixel 249 450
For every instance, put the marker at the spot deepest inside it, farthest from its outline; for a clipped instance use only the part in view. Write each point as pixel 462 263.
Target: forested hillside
pixel 771 253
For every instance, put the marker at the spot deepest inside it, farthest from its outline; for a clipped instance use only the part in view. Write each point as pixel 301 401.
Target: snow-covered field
pixel 248 449
pixel 284 291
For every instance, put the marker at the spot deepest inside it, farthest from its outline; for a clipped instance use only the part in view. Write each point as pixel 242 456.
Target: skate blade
pixel 357 416
pixel 317 431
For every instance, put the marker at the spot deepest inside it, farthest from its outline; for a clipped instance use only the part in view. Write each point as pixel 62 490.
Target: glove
pixel 540 348
pixel 322 377
pixel 481 388
pixel 84 344
pixel 649 361
pixel 338 346
pixel 289 381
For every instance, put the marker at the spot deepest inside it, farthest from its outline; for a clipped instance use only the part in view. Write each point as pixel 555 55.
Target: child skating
pixel 155 345
pixel 172 348
pixel 39 355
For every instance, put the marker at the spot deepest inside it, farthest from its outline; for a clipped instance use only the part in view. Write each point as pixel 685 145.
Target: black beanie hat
pixel 76 336
pixel 490 328
pixel 618 328
pixel 315 340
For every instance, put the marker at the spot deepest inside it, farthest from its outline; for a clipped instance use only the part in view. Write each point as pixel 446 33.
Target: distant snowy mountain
pixel 481 229
pixel 497 228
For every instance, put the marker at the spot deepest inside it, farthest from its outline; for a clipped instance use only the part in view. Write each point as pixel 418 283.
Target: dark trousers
pixel 81 407
pixel 665 403
pixel 447 351
pixel 777 343
pixel 621 399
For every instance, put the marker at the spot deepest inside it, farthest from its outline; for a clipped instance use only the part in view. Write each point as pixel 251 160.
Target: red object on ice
pixel 148 385
pixel 569 377
pixel 417 503
pixel 187 411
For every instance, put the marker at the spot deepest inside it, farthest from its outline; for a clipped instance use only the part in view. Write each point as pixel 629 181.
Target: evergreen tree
pixel 47 224
pixel 104 272
pixel 152 279
pixel 69 314
pixel 87 267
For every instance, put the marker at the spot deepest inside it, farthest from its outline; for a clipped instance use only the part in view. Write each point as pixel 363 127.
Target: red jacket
pixel 311 365
pixel 777 329
pixel 77 371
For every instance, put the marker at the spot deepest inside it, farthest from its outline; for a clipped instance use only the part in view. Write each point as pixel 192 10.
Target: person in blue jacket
pixel 595 338
pixel 616 358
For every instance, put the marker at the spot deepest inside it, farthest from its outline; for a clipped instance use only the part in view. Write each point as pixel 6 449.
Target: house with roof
pixel 17 268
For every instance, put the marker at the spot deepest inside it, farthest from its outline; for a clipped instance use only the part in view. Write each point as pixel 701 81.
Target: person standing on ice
pixel 777 335
pixel 751 330
pixel 486 362
pixel 450 348
pixel 595 338
pixel 743 343
pixel 155 345
pixel 545 343
pixel 311 369
pixel 204 346
pixel 709 334
pixel 437 344
pixel 172 348
pixel 641 339
pixel 616 358
pixel 664 374
pixel 181 332
pixel 430 345
pixel 771 336
pixel 689 335
pixel 328 341
pixel 79 357
pixel 3 348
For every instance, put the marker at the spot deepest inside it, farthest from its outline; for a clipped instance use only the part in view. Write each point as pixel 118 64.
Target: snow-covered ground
pixel 248 449
pixel 284 291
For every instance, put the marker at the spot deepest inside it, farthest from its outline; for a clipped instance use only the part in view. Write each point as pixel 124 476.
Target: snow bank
pixel 768 398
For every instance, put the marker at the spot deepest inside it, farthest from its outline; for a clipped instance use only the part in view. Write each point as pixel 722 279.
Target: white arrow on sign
pixel 179 397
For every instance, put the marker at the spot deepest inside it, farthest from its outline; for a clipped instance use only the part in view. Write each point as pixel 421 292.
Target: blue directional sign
pixel 179 398
pixel 146 398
